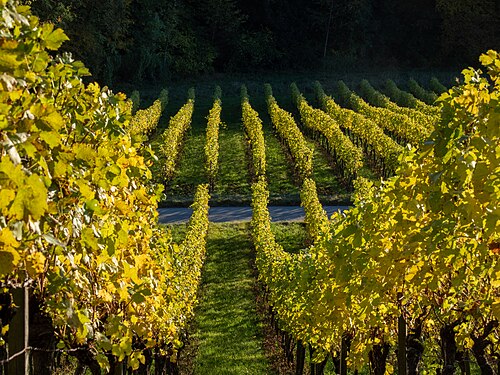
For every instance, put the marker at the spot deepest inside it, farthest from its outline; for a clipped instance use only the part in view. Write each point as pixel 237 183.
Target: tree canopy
pixel 135 40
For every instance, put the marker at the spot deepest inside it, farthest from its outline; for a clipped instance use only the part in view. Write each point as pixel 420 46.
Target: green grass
pixel 227 335
pixel 279 171
pixel 325 173
pixel 227 332
pixel 232 181
pixel 292 236
pixel 191 169
pixel 191 164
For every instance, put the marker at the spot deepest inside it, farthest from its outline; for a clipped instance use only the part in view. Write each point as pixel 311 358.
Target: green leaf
pixel 7 260
pixel 138 298
pixel 40 62
pixel 93 205
pixel 53 139
pixel 54 120
pixel 54 40
pixel 10 60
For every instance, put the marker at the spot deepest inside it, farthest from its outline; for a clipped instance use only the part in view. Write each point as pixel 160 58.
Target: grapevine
pixel 405 99
pixel 437 86
pixel 145 120
pixel 346 154
pixel 421 93
pixel 78 209
pixel 288 131
pixel 398 125
pixel 170 142
pixel 212 144
pixel 255 136
pixel 364 132
pixel 424 120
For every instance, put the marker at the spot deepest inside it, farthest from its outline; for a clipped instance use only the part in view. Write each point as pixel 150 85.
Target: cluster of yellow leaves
pixel 423 245
pixel 78 211
pixel 170 142
pixel 145 120
pixel 316 219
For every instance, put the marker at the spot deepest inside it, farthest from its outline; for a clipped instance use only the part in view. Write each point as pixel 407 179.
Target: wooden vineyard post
pixel 118 370
pixel 344 349
pixel 301 356
pixel 401 346
pixel 312 371
pixel 18 339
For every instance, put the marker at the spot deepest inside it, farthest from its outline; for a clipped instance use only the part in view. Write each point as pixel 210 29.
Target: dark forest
pixel 128 40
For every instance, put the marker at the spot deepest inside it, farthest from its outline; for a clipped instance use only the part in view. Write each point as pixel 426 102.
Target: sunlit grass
pixel 191 169
pixel 233 176
pixel 228 333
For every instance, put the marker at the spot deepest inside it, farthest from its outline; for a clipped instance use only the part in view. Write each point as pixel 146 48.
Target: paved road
pixel 239 214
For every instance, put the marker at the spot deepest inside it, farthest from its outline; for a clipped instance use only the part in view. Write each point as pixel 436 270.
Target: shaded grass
pixel 292 236
pixel 233 177
pixel 279 170
pixel 191 169
pixel 228 333
pixel 324 173
pixel 178 231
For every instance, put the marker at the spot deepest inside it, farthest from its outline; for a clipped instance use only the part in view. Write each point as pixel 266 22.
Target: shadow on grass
pixel 292 236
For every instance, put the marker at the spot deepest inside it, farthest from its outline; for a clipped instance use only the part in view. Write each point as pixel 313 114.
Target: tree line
pixel 132 40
